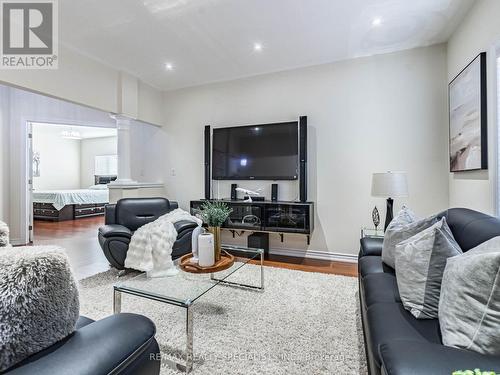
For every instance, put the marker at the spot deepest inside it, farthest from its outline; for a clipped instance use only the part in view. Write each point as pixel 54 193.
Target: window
pixel 106 165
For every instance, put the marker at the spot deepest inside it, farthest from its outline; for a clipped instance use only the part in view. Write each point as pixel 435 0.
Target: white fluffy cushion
pixel 420 263
pixel 38 301
pixel 469 308
pixel 4 234
pixel 402 227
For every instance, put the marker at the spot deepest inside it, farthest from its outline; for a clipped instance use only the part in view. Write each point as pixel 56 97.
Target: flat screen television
pixel 256 152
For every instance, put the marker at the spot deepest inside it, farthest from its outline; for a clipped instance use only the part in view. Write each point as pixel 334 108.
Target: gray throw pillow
pixel 38 301
pixel 420 263
pixel 469 308
pixel 399 231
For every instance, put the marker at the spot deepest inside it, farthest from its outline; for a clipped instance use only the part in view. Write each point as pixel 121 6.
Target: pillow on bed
pixel 98 187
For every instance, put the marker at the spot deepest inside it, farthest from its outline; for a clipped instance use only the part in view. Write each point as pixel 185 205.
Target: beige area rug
pixel 303 323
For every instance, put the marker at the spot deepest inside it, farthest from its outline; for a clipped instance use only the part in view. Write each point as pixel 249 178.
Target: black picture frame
pixel 456 149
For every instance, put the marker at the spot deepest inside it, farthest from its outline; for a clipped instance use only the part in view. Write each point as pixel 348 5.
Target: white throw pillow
pixel 469 308
pixel 420 263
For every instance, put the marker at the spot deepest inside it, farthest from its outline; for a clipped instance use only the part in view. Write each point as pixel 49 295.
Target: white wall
pixel 365 115
pixel 90 148
pixel 477 33
pixel 83 80
pixel 22 106
pixel 148 152
pixel 27 106
pixel 59 159
pixel 4 156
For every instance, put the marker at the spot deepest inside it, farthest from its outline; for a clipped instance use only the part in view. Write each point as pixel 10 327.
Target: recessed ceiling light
pixel 169 66
pixel 257 47
pixel 377 21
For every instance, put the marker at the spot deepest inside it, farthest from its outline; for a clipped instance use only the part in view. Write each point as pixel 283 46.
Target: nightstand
pixel 372 232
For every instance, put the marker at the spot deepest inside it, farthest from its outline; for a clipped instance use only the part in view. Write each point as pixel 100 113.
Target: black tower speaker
pixel 274 192
pixel 234 193
pixel 207 162
pixel 303 158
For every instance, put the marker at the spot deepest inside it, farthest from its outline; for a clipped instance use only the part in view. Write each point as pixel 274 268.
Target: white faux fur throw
pixel 150 248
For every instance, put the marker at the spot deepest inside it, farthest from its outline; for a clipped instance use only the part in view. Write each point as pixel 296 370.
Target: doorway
pixel 70 168
pixel 71 165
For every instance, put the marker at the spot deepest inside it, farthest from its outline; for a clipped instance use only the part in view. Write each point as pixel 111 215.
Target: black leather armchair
pixel 117 344
pixel 127 215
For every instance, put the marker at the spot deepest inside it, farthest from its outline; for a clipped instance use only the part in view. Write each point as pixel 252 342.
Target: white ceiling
pixel 212 40
pixel 85 132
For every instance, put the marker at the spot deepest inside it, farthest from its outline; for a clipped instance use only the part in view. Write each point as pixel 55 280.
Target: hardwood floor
pixel 79 238
pixel 313 265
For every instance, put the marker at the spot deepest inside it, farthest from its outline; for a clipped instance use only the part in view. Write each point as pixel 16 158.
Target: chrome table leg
pixel 117 301
pixel 189 339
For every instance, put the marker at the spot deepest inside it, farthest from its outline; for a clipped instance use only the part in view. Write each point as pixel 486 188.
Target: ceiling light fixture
pixel 169 66
pixel 71 134
pixel 257 47
pixel 377 21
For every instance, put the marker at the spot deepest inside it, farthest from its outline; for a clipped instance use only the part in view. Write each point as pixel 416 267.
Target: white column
pixel 123 140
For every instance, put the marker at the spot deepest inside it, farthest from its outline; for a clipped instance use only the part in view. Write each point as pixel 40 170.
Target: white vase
pixel 206 250
pixel 194 243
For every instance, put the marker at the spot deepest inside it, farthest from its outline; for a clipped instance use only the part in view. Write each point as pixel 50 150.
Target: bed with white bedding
pixel 59 205
pixel 61 198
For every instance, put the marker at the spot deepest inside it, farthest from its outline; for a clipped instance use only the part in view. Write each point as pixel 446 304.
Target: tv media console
pixel 264 217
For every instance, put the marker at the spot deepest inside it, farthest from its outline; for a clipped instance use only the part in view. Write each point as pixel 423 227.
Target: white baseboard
pixel 299 253
pixel 16 242
pixel 315 254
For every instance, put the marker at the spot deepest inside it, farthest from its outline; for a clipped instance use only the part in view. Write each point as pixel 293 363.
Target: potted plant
pixel 214 214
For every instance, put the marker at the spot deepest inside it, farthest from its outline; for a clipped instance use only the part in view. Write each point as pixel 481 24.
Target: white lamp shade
pixel 390 185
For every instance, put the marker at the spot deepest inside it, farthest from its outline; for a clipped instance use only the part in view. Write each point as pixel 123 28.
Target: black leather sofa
pixel 119 344
pixel 127 215
pixel 398 344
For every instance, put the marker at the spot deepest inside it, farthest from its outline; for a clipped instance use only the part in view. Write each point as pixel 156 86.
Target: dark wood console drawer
pixel 84 211
pixel 88 210
pixel 285 218
pixel 89 205
pixel 267 216
pixel 46 212
pixel 46 206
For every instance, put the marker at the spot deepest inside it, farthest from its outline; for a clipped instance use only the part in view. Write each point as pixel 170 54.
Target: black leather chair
pixel 397 343
pixel 117 344
pixel 127 215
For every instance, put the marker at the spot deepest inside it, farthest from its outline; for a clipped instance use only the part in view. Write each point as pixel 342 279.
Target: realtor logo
pixel 29 34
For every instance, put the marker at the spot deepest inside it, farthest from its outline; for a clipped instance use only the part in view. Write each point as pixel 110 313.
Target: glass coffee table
pixel 185 288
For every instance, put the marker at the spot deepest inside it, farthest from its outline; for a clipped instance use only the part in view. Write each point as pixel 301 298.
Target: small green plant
pixel 473 372
pixel 214 214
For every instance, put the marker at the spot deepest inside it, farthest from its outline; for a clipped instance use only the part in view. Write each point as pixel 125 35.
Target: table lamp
pixel 389 185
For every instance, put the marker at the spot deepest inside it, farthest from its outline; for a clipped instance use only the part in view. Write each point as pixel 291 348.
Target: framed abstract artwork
pixel 468 117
